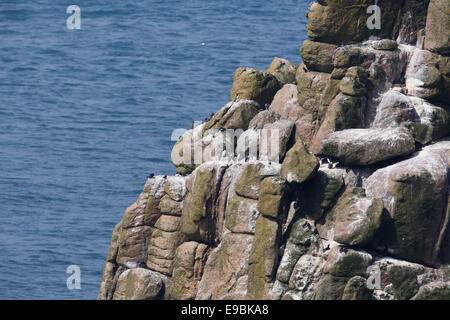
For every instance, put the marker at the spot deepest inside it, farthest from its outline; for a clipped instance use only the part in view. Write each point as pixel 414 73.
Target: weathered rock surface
pixel 318 56
pixel 257 211
pixel 138 284
pixel 299 164
pixel 252 84
pixel 333 21
pixel 437 31
pixel 414 192
pixel 283 70
pixel 368 146
pixel 354 219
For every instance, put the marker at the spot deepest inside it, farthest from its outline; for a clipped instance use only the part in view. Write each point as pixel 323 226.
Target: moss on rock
pixel 299 165
pixel 356 289
pixel 318 56
pixel 252 84
pixel 263 257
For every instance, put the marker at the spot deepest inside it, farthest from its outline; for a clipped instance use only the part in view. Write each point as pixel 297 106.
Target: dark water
pixel 86 115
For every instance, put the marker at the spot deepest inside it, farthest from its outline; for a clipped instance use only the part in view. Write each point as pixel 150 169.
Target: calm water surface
pixel 86 115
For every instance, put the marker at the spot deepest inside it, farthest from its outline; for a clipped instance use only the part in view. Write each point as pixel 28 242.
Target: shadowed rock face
pixel 353 203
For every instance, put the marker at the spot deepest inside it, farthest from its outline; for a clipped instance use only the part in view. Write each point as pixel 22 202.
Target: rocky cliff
pixel 348 200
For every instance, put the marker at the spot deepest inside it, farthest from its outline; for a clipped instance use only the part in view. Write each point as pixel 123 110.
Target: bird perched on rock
pixel 266 106
pixel 343 250
pixel 336 165
pixel 324 161
pixel 151 175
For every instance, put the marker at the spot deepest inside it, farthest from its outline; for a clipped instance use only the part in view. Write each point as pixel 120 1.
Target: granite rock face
pixel 323 181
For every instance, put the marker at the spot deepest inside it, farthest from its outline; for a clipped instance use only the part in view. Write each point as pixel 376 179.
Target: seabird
pixel 151 175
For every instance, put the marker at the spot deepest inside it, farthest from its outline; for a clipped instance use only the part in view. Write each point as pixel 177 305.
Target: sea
pixel 89 99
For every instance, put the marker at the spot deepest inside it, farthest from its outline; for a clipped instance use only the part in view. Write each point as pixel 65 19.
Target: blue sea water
pixel 86 115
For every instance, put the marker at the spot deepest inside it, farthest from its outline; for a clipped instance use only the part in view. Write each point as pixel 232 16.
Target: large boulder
pixel 414 192
pixel 263 258
pixel 286 105
pixel 394 109
pixel 368 146
pixel 272 197
pixel 263 118
pixel 356 289
pixel 422 77
pixel 434 291
pixel 342 264
pixel 402 280
pixel 354 220
pixel 138 284
pixel 252 84
pixel 187 152
pixel 280 102
pixel 311 87
pixel 234 115
pixel 344 112
pixel 434 121
pixel 352 56
pixel 283 70
pixel 344 21
pixel 437 31
pixel 248 184
pixel 267 144
pixel 354 82
pixel 299 165
pixel 226 271
pixel 187 270
pixel 318 56
pixel 320 192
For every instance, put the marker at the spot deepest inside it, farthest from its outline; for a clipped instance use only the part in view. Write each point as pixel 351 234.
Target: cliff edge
pixel 328 180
